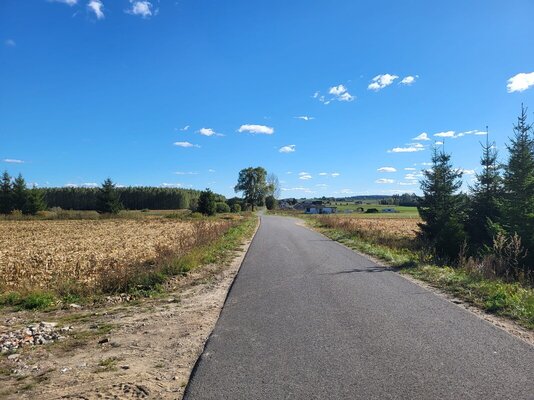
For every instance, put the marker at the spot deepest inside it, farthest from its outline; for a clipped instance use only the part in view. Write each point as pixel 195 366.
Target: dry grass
pixel 393 232
pixel 93 254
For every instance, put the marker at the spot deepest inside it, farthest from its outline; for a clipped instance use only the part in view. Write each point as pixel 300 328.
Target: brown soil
pixel 134 350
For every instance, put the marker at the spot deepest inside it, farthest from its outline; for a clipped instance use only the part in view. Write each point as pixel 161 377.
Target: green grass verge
pixel 495 296
pixel 150 282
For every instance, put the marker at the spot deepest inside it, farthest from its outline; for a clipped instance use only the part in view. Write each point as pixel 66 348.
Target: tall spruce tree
pixel 206 203
pixel 6 194
pixel 108 199
pixel 486 201
pixel 19 193
pixel 35 201
pixel 519 185
pixel 441 207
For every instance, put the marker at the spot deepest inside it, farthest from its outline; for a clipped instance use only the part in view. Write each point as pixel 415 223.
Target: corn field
pixel 44 254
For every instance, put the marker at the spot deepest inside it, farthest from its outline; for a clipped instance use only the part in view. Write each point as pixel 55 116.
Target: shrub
pixel 271 203
pixel 222 207
pixel 236 207
pixel 371 211
pixel 206 203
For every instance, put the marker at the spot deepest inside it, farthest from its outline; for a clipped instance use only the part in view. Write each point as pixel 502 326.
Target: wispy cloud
pixel 185 128
pixel 290 148
pixel 379 82
pixel 409 149
pixel 412 183
pixel 446 134
pixel 387 169
pixel 408 80
pixel 10 43
pixel 186 173
pixel 259 129
pixel 305 118
pixel 467 171
pixel 475 132
pixel 211 170
pixel 208 132
pixel 171 185
pixel 12 161
pixel 520 82
pixel 185 144
pixel 384 181
pixel 298 189
pixel 96 7
pixel 335 174
pixel 68 2
pixel 410 169
pixel 422 136
pixel 143 9
pixel 304 176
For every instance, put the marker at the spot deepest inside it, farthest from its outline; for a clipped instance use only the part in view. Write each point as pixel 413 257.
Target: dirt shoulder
pixel 142 349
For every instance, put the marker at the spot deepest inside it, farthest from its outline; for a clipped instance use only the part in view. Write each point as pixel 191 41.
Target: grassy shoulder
pixel 148 279
pixel 510 300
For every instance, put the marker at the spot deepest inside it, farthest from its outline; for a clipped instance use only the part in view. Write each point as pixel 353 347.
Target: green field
pixel 402 211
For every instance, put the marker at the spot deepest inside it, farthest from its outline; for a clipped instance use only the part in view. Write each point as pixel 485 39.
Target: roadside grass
pixel 148 280
pixel 495 296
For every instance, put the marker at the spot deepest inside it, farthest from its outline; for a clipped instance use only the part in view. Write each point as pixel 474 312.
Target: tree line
pixel 494 223
pixel 15 195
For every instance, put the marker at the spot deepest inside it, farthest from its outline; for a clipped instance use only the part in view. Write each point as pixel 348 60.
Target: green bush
pixel 236 207
pixel 222 207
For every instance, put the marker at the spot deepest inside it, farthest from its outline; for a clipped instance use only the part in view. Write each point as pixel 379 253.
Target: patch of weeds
pixel 108 364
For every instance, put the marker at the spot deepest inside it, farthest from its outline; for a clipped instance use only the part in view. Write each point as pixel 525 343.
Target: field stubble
pixel 94 255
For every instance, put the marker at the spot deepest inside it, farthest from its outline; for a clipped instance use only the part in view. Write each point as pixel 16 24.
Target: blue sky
pixel 96 89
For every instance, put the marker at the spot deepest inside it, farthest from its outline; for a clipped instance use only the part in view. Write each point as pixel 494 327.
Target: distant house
pixel 319 209
pixel 389 210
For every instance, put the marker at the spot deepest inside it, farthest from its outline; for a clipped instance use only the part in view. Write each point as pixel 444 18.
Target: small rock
pixel 75 306
pixel 125 367
pixel 13 357
pixel 102 341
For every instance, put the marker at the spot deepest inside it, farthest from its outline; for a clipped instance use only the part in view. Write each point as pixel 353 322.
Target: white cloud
pixel 141 8
pixel 408 183
pixel 10 43
pixel 261 129
pixel 323 173
pixel 408 80
pixel 211 170
pixel 305 118
pixel 381 81
pixel 305 177
pixel 68 2
pixel 71 185
pixel 412 177
pixel 321 185
pixel 340 93
pixel 384 181
pixel 422 136
pixel 298 189
pixel 304 173
pixel 467 171
pixel 96 7
pixel 410 169
pixel 90 184
pixel 208 132
pixel 520 82
pixel 290 148
pixel 387 169
pixel 185 128
pixel 335 174
pixel 346 191
pixel 12 161
pixel 439 143
pixel 185 144
pixel 186 173
pixel 475 132
pixel 446 134
pixel 417 145
pixel 171 185
pixel 410 149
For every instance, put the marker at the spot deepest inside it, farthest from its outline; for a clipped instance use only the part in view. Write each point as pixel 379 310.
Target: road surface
pixel 307 318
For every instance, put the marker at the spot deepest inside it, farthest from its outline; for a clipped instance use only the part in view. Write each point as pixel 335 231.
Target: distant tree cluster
pixel 15 196
pixel 497 218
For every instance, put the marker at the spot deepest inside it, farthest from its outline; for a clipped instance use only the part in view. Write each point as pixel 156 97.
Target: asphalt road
pixel 307 318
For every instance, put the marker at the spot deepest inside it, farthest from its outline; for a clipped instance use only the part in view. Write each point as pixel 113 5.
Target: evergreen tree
pixel 108 199
pixel 441 207
pixel 35 202
pixel 206 203
pixel 519 185
pixel 486 202
pixel 6 194
pixel 20 193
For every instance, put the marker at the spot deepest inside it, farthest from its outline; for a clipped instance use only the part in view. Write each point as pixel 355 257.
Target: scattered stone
pixel 75 306
pixel 125 367
pixel 13 357
pixel 102 341
pixel 34 334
